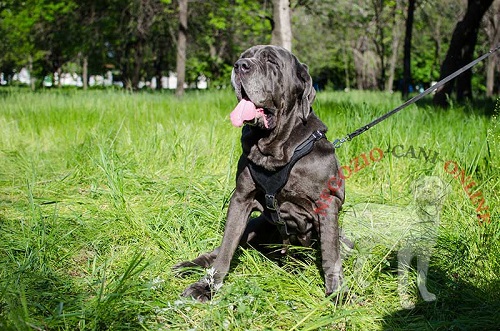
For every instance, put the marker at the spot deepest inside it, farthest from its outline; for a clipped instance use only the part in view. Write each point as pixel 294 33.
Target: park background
pixel 367 44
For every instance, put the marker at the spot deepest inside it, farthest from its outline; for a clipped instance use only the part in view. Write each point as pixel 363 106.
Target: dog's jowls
pixel 275 94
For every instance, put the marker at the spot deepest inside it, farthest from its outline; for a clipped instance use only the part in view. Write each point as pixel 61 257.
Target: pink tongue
pixel 246 111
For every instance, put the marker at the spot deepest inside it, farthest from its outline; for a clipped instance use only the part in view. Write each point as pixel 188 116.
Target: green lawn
pixel 101 192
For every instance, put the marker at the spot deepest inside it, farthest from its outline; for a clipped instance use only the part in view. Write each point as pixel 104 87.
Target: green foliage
pixel 38 31
pixel 223 30
pixel 346 44
pixel 102 192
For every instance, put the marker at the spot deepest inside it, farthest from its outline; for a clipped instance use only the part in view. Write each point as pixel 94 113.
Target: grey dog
pixel 411 231
pixel 275 95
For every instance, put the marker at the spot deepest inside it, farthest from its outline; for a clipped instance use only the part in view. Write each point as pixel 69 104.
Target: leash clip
pixel 338 142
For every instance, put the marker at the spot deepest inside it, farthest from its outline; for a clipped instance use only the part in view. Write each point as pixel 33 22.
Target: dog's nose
pixel 242 66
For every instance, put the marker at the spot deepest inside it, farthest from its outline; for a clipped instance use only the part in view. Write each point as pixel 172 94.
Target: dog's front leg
pixel 405 255
pixel 240 207
pixel 330 247
pixel 422 268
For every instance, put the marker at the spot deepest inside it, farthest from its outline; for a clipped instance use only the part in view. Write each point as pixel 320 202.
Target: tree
pixel 492 29
pixel 379 39
pixel 407 48
pixel 55 33
pixel 131 38
pixel 33 35
pixel 396 38
pixel 181 47
pixel 282 26
pixel 92 33
pixel 219 30
pixel 460 52
pixel 346 43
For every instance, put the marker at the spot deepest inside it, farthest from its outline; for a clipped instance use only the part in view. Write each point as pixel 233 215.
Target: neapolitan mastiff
pixel 286 164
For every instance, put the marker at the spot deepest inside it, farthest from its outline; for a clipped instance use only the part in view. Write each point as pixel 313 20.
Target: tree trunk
pixel 126 66
pixel 30 69
pixel 492 28
pixel 85 72
pixel 59 77
pixel 490 76
pixel 181 47
pixel 282 28
pixel 396 37
pixel 407 49
pixel 436 36
pixel 346 65
pixel 460 52
pixel 158 73
pixel 359 66
pixel 138 58
pixel 379 40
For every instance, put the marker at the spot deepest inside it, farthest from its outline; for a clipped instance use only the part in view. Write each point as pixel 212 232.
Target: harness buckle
pixel 317 135
pixel 271 202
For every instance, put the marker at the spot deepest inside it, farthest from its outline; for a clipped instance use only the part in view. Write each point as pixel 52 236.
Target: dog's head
pixel 272 88
pixel 429 190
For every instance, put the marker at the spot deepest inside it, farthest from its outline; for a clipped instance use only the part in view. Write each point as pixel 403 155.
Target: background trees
pixel 461 52
pixel 281 27
pixel 347 44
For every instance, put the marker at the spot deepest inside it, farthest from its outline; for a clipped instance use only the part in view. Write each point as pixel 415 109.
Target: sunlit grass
pixel 101 192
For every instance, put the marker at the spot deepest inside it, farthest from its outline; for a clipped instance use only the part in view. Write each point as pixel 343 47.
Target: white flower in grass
pixel 157 283
pixel 160 311
pixel 178 303
pixel 210 279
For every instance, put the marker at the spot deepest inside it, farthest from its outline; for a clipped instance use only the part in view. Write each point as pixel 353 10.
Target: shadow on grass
pixel 483 106
pixel 480 106
pixel 459 306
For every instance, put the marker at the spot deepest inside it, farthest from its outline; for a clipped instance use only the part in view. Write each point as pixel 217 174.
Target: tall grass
pixel 101 192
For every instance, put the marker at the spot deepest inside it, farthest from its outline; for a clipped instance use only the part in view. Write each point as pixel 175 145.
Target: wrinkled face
pixel 429 190
pixel 271 85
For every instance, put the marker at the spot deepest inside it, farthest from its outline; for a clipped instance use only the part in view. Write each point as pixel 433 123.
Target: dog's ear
pixel 309 93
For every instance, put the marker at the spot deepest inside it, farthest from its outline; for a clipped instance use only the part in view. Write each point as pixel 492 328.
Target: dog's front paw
pixel 201 291
pixel 406 300
pixel 428 296
pixel 407 304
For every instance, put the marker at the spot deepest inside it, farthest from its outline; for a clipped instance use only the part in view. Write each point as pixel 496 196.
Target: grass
pixel 101 192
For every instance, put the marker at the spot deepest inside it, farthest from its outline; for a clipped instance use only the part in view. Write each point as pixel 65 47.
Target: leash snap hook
pixel 338 142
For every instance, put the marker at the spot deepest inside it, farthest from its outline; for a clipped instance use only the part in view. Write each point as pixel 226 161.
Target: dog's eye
pixel 272 62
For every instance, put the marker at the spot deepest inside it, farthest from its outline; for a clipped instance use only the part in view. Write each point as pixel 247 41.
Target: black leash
pixel 338 142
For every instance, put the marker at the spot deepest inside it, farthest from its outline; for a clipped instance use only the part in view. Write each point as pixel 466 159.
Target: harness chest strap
pixel 271 182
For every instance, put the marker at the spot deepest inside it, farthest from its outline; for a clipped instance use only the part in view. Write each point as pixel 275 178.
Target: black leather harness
pixel 271 182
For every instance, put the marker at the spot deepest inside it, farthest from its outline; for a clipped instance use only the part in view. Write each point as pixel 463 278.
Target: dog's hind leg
pixel 422 268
